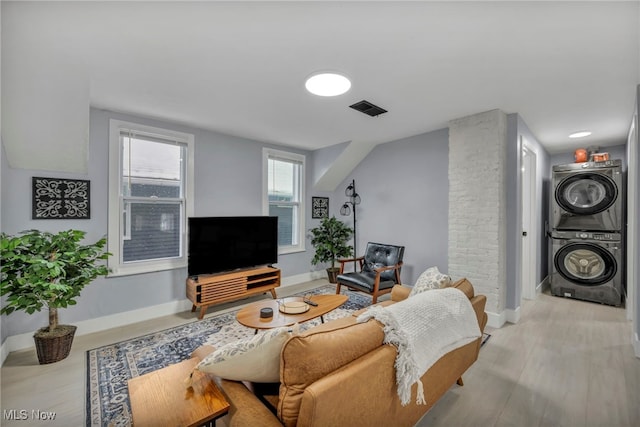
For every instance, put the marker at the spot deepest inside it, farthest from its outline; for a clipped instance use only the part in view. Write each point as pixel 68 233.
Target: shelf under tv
pixel 210 289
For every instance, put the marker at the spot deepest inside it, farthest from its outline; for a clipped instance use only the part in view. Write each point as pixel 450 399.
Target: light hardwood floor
pixel 566 363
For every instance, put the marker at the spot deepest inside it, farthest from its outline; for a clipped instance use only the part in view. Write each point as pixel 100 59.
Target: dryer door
pixel 586 193
pixel 585 264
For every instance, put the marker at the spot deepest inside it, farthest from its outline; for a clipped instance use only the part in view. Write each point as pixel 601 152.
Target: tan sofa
pixel 340 374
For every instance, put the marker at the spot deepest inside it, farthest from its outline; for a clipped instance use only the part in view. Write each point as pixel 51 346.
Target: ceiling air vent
pixel 368 108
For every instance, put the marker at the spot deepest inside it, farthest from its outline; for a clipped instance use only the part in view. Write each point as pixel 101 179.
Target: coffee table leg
pixel 322 318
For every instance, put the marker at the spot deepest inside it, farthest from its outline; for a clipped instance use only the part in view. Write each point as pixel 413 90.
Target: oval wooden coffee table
pixel 250 315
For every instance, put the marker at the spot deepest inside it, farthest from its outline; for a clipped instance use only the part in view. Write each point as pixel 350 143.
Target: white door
pixel 529 233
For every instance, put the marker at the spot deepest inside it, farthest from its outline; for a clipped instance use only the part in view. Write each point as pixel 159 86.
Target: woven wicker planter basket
pixel 332 274
pixel 54 347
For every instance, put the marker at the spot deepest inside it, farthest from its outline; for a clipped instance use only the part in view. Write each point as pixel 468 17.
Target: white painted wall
pixel 477 204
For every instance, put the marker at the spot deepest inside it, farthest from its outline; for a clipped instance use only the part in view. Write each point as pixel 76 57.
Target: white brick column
pixel 477 204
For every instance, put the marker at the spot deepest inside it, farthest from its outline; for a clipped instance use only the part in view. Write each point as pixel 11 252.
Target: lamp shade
pixel 349 190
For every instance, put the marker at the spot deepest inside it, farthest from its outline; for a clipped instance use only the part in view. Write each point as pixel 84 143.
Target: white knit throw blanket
pixel 424 327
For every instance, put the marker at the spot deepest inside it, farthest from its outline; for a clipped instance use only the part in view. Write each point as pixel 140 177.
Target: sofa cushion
pixel 430 279
pixel 315 353
pixel 256 359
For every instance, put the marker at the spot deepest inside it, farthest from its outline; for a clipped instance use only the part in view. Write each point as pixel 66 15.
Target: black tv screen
pixel 219 244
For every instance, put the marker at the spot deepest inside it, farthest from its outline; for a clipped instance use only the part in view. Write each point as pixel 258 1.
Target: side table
pixel 160 398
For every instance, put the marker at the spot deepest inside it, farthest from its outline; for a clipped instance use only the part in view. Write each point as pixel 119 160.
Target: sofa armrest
pixel 246 409
pixel 479 302
pixel 400 292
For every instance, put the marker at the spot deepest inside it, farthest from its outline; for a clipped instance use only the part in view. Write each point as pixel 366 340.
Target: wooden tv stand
pixel 206 290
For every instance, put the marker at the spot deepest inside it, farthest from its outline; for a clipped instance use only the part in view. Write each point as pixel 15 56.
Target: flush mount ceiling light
pixel 328 84
pixel 580 134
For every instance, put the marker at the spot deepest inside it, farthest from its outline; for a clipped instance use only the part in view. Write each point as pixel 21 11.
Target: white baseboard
pixel 302 278
pixel 512 316
pixel 495 320
pixel 25 341
pixel 636 345
pixel 4 352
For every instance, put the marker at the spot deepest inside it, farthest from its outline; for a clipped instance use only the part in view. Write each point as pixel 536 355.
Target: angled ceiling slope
pixel 333 164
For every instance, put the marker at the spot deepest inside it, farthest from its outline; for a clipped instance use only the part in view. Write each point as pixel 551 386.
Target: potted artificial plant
pixel 330 241
pixel 41 269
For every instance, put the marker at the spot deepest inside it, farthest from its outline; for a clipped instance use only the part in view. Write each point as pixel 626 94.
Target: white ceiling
pixel 239 68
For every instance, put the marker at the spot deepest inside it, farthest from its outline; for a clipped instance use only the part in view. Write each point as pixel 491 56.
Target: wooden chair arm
pixel 388 267
pixel 342 262
pixel 345 260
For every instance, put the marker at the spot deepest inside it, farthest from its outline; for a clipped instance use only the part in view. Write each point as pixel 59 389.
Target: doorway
pixel 529 231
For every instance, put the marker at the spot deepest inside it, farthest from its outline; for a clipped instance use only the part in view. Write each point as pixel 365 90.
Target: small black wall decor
pixel 319 207
pixel 56 198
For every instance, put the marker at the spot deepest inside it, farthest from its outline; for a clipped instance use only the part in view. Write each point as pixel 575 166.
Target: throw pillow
pixel 256 359
pixel 430 279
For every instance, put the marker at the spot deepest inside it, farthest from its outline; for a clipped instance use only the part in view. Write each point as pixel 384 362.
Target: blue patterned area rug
pixel 111 366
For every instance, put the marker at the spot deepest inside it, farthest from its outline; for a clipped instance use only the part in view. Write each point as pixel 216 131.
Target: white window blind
pixel 284 182
pixel 150 192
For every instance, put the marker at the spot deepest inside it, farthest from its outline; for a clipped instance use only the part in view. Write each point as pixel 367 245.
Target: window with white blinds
pixel 284 196
pixel 150 197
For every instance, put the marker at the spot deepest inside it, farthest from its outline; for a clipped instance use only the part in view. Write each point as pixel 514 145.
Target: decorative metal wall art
pixel 56 198
pixel 319 207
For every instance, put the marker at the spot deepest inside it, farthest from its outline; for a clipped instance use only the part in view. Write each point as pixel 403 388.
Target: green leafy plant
pixel 41 269
pixel 330 241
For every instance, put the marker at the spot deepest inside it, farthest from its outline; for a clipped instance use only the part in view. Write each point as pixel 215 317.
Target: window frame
pixel 118 218
pixel 270 153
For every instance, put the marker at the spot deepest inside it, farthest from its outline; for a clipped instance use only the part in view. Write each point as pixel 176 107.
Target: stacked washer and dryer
pixel 587 232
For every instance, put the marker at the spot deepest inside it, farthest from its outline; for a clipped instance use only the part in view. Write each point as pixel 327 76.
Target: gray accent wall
pixel 404 189
pixel 228 181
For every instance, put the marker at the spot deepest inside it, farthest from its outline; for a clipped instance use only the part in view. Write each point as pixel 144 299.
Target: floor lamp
pixel 354 200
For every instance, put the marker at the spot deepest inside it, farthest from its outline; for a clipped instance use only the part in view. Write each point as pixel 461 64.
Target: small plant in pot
pixel 330 242
pixel 46 270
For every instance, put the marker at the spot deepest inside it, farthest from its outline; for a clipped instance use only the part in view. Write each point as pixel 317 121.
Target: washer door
pixel 586 193
pixel 585 264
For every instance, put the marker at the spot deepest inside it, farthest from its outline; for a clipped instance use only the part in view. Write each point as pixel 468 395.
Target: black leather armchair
pixel 379 270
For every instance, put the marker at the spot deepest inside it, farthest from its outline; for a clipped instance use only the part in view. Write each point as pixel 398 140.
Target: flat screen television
pixel 218 244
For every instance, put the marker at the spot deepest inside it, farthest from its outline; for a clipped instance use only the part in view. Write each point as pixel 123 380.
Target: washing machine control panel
pixel 597 236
